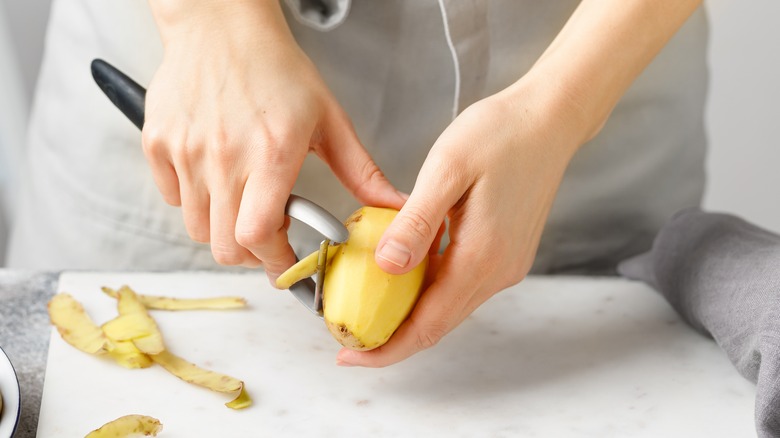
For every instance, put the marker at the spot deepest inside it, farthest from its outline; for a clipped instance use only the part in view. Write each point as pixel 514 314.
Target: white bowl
pixel 9 388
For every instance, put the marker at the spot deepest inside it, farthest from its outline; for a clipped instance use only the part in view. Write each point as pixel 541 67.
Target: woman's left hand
pixel 494 172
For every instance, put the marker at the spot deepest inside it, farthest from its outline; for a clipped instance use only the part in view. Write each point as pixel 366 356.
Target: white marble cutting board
pixel 552 357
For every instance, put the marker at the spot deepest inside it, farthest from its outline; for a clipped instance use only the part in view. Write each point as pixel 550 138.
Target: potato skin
pixel 345 337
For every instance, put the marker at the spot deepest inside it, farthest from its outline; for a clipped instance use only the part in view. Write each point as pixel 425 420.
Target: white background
pixel 742 115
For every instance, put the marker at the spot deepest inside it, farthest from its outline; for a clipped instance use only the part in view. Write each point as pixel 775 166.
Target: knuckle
pixel 255 235
pixel 371 172
pixel 449 171
pixel 417 222
pixel 153 140
pixel 277 153
pixel 197 227
pixel 219 135
pixel 186 151
pixel 369 176
pixel 430 335
pixel 263 136
pixel 222 149
pixel 226 255
pixel 275 264
pixel 198 234
pixel 279 143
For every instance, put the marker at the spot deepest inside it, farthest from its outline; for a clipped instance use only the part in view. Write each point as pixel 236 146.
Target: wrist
pixel 584 97
pixel 602 49
pixel 553 108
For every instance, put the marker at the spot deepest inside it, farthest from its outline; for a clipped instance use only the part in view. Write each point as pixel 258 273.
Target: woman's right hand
pixel 231 113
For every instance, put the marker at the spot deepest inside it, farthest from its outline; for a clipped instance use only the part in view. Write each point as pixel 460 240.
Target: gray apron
pixel 401 70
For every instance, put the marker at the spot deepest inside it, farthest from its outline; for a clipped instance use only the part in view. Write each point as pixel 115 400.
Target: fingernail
pixel 343 363
pixel 395 253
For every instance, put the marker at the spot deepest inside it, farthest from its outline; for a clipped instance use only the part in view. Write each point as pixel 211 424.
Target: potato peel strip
pixel 149 339
pixel 75 326
pixel 168 303
pixel 129 425
pixel 214 381
pixel 305 268
pixel 134 341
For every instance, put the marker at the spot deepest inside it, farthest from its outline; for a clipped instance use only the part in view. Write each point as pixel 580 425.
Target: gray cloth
pixel 722 275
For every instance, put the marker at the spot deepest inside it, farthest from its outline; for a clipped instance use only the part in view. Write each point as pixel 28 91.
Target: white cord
pixel 455 105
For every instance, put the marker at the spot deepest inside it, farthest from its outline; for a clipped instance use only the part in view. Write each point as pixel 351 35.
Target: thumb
pixel 409 237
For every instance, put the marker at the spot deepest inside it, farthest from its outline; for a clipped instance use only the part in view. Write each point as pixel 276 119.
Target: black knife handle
pixel 123 92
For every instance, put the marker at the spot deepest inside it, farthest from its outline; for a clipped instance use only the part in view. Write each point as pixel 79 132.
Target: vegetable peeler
pixel 129 97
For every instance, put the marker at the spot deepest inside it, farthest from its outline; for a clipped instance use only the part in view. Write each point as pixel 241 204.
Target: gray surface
pixel 24 335
pixel 721 275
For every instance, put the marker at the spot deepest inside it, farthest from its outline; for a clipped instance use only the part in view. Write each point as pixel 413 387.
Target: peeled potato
pixel 128 426
pixel 362 305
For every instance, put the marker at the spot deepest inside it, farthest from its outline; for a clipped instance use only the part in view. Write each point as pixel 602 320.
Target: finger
pixel 164 174
pixel 225 201
pixel 354 167
pixel 409 237
pixel 194 196
pixel 195 209
pixel 439 310
pixel 261 225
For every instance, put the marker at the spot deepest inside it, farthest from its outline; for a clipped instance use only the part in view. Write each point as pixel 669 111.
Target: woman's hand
pixel 494 171
pixel 231 113
pixel 497 167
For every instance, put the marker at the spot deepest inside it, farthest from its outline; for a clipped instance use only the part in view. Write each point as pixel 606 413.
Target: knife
pixel 130 97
